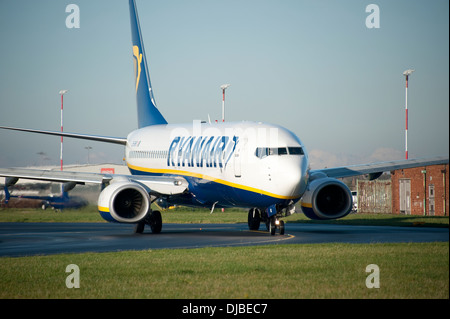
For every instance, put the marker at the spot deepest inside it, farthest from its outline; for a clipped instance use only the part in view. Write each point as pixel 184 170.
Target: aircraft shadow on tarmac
pixel 208 231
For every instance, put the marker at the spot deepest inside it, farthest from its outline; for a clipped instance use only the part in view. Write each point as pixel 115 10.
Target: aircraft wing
pixel 55 176
pixel 378 168
pixel 158 185
pixel 97 138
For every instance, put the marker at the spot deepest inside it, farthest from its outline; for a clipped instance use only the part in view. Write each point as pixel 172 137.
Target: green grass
pixel 203 216
pixel 87 214
pixel 419 270
pixel 282 271
pixel 378 220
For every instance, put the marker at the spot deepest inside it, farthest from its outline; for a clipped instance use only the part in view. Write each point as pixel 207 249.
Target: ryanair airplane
pixel 258 166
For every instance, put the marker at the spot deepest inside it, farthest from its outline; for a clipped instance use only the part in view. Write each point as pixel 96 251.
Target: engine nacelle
pixel 326 198
pixel 124 202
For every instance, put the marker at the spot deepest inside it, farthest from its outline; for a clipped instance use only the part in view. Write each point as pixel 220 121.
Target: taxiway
pixel 29 239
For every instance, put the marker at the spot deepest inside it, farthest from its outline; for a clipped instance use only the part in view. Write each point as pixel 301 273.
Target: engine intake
pixel 124 202
pixel 326 198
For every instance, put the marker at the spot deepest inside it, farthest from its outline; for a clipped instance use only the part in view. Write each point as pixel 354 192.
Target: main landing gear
pixel 153 219
pixel 272 223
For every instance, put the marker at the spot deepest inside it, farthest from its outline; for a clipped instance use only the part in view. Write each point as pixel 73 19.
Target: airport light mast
pixel 407 73
pixel 62 92
pixel 223 87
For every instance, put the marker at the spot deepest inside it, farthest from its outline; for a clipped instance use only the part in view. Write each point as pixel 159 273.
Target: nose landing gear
pixel 273 223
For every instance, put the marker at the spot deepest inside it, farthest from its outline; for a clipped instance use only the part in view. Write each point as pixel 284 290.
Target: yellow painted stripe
pixel 307 205
pixel 209 178
pixel 103 209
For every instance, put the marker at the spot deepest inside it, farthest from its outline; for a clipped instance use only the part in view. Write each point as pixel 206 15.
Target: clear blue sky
pixel 311 66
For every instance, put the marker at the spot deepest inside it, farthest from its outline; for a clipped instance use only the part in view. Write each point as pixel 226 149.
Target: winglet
pixel 148 114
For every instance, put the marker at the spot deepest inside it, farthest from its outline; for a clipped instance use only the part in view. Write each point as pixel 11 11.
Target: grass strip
pixel 203 216
pixel 414 270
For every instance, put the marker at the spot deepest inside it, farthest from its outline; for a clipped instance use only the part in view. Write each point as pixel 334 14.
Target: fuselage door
pixel 238 156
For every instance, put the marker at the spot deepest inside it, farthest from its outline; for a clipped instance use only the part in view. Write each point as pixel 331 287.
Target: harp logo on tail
pixel 137 64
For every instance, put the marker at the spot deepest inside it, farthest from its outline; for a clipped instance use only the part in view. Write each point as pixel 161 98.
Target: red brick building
pixel 421 191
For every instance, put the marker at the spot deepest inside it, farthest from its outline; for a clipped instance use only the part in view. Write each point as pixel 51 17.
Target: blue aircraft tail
pixel 148 113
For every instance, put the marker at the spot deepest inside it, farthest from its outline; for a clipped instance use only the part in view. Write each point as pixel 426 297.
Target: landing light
pixel 277 222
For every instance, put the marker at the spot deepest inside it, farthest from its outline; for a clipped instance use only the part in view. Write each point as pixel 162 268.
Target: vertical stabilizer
pixel 148 114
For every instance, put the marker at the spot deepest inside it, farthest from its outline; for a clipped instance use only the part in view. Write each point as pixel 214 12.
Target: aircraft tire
pixel 271 226
pixel 273 230
pixel 254 219
pixel 281 227
pixel 139 228
pixel 155 222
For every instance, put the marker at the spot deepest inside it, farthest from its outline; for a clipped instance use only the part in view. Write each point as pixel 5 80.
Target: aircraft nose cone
pixel 294 178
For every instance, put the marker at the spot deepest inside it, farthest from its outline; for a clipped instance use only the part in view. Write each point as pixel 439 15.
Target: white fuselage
pixel 242 164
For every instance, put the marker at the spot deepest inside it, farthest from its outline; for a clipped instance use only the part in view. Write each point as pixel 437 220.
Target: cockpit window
pixel 262 152
pixel 296 151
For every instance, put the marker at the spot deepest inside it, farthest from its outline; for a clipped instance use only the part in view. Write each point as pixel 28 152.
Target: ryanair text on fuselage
pixel 201 151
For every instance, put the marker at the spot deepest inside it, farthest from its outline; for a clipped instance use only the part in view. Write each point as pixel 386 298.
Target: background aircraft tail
pixel 148 113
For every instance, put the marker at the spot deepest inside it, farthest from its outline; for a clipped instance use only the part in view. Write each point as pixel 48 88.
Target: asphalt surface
pixel 29 239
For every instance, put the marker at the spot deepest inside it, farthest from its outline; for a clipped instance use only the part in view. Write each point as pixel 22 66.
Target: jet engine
pixel 124 202
pixel 326 198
